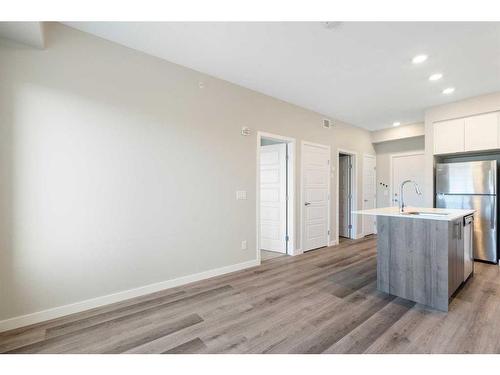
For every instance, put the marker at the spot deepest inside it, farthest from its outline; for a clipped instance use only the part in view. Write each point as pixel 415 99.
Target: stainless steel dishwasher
pixel 468 246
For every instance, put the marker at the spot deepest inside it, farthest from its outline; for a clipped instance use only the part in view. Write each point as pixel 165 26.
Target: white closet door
pixel 316 195
pixel 273 197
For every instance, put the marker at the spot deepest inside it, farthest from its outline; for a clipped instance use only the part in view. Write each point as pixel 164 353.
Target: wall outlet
pixel 244 245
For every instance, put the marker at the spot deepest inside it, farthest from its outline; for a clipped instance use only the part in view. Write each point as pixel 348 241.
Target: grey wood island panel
pixel 420 259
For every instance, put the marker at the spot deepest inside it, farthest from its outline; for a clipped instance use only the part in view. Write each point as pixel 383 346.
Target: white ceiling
pixel 358 72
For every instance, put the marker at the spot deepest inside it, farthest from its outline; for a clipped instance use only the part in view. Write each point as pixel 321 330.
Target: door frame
pixel 349 230
pixel 354 193
pixel 391 164
pixel 302 200
pixel 375 189
pixel 291 142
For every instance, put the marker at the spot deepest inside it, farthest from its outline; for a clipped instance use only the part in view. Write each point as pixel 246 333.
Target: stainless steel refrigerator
pixel 472 185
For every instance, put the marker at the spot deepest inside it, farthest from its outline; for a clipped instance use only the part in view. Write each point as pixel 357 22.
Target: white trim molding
pixel 296 252
pixel 60 311
pixel 354 191
pixel 292 245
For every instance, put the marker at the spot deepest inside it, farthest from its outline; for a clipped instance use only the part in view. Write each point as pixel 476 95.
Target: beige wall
pixel 400 132
pixel 384 151
pixel 118 171
pixel 463 108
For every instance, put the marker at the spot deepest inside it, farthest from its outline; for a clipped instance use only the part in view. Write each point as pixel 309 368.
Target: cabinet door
pixel 449 136
pixel 481 132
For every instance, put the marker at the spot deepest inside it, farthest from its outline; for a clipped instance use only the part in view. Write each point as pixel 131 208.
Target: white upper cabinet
pixel 481 132
pixel 474 133
pixel 449 136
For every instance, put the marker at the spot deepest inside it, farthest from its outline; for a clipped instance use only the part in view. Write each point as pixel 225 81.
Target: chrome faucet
pixel 401 197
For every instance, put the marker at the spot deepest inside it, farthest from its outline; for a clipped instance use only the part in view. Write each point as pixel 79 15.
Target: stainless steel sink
pixel 420 213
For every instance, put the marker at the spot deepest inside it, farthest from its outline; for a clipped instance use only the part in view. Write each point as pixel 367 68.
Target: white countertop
pixel 446 214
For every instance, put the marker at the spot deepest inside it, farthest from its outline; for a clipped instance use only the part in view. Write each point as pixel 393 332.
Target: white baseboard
pixel 332 243
pixel 57 312
pixel 296 252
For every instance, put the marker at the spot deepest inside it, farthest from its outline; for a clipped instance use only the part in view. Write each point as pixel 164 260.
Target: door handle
pixel 471 252
pixel 307 204
pixel 492 218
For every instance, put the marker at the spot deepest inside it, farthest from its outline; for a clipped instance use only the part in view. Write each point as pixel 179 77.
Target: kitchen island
pixel 423 254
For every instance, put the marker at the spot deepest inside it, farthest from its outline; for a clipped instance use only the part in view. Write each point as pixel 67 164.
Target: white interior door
pixel 408 167
pixel 315 195
pixel 273 197
pixel 369 193
pixel 344 196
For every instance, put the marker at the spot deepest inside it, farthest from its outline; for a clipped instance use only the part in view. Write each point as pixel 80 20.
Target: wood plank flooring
pixel 324 301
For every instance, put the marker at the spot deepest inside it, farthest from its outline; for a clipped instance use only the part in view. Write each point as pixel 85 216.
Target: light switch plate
pixel 241 195
pixel 243 245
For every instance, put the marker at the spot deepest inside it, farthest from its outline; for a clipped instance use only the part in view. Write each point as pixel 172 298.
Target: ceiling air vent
pixel 327 124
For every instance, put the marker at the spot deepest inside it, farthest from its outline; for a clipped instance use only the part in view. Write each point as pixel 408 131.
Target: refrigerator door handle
pixel 492 218
pixel 492 181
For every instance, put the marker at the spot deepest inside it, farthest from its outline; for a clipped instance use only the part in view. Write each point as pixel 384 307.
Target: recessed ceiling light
pixel 435 77
pixel 396 123
pixel 448 90
pixel 419 59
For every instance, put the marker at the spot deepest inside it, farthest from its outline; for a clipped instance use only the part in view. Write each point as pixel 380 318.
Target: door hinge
pixel 287 238
pixel 328 232
pixel 350 226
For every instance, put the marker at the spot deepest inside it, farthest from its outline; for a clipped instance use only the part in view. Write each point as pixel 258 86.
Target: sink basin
pixel 420 213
